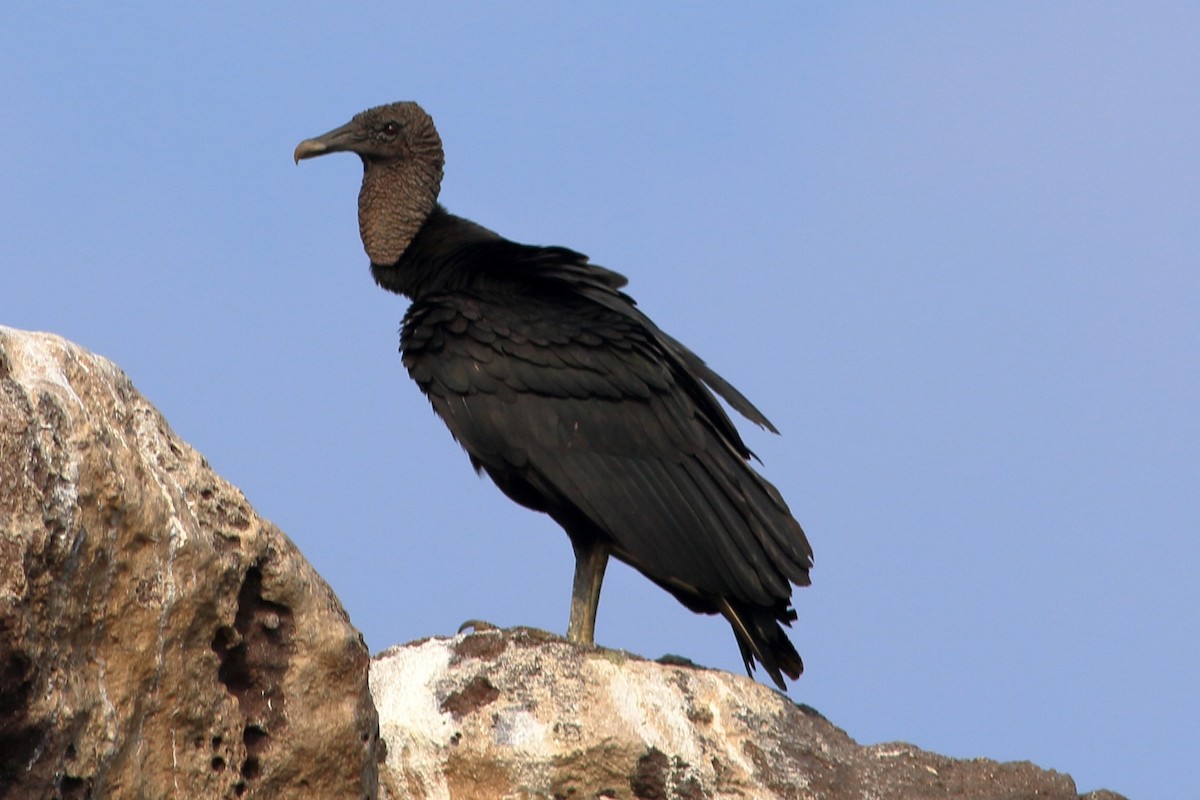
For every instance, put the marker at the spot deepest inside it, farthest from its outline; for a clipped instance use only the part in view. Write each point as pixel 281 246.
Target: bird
pixel 575 404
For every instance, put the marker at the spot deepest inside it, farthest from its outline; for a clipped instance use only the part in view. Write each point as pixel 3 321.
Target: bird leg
pixel 591 557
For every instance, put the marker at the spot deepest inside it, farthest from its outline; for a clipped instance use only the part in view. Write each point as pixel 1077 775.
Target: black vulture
pixel 575 403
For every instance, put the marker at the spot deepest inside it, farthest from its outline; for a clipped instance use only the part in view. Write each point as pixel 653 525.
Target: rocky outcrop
pixel 521 713
pixel 157 637
pixel 160 639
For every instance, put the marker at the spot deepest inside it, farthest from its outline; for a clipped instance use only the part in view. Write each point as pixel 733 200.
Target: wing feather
pixel 577 404
pixel 608 424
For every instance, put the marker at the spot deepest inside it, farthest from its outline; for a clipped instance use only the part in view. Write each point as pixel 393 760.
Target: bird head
pixel 397 131
pixel 402 172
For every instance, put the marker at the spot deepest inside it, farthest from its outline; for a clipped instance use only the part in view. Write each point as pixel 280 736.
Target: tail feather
pixel 760 637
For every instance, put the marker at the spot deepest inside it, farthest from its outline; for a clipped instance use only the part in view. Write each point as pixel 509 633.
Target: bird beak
pixel 338 139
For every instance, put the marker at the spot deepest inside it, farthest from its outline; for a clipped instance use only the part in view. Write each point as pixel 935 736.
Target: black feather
pixel 610 427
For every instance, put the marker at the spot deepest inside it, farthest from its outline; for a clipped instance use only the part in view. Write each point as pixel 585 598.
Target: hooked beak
pixel 339 139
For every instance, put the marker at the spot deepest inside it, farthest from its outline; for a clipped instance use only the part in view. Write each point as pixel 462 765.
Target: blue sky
pixel 950 249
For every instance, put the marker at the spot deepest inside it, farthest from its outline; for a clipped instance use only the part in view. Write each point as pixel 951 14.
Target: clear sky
pixel 951 249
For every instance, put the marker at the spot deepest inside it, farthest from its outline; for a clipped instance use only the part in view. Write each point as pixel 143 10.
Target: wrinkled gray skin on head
pixel 402 173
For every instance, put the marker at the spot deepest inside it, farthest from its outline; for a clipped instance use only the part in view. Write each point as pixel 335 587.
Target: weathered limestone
pixel 157 637
pixel 521 713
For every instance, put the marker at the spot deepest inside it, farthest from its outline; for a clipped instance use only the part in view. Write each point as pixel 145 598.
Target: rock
pixel 160 639
pixel 521 713
pixel 157 637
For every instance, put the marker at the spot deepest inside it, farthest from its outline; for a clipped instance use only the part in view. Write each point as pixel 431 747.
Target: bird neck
pixel 396 198
pixel 436 258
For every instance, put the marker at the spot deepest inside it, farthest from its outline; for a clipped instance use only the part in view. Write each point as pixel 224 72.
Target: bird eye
pixel 390 129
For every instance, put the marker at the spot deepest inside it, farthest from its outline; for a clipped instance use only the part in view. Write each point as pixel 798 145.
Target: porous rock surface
pixel 522 714
pixel 157 637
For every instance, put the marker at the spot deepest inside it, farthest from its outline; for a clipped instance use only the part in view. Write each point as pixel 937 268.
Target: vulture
pixel 574 402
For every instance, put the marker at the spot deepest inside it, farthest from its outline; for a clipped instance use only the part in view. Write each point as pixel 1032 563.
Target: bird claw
pixel 477 626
